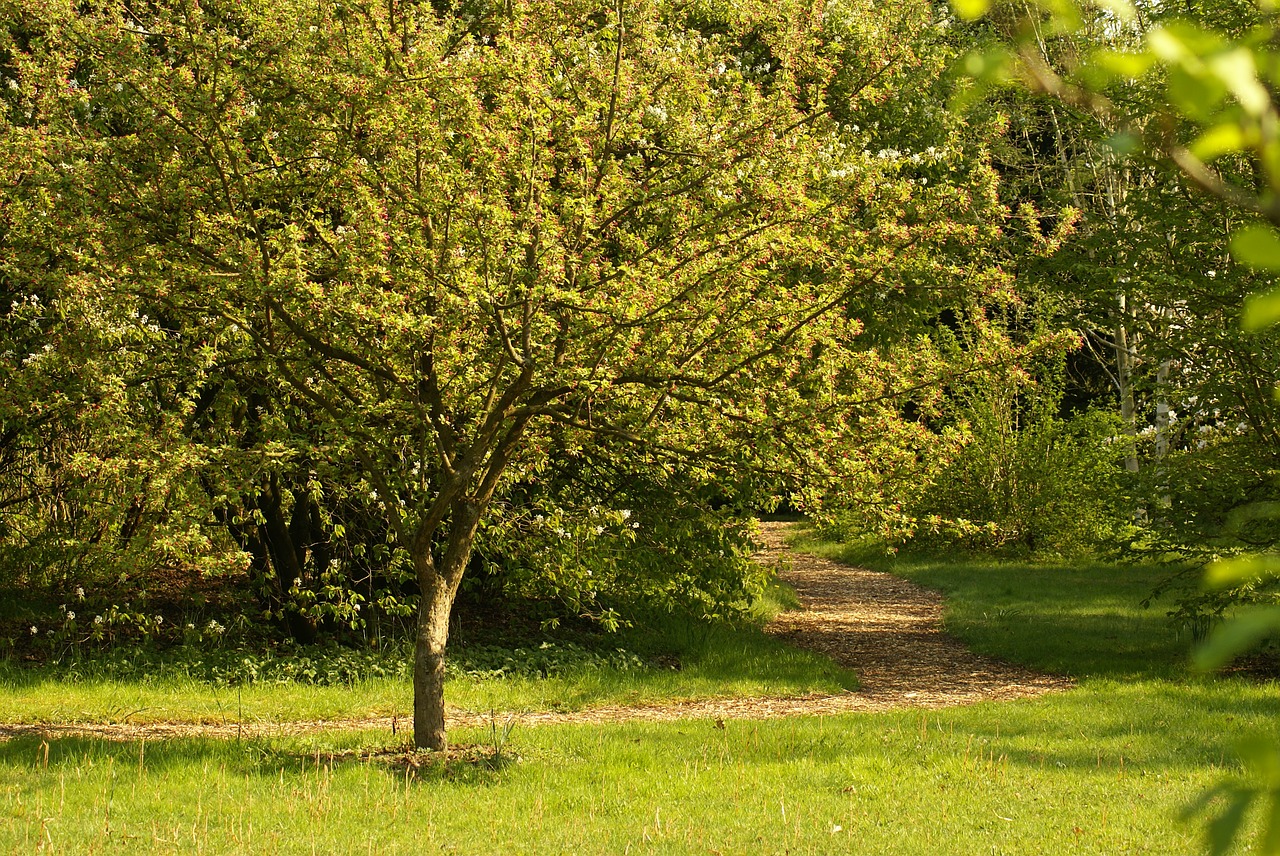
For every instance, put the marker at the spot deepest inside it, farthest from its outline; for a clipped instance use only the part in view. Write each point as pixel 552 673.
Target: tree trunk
pixel 428 667
pixel 439 583
pixel 1124 379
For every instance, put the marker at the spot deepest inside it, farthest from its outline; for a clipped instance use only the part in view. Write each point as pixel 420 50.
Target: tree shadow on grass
pixel 1160 726
pixel 465 764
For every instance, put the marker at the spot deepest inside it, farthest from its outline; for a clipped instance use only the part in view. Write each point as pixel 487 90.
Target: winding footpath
pixel 887 630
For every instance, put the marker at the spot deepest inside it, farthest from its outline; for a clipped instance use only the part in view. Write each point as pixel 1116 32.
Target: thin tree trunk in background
pixel 1164 418
pixel 1124 380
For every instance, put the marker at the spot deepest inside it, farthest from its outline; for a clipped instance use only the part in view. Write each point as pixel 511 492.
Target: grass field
pixel 1102 769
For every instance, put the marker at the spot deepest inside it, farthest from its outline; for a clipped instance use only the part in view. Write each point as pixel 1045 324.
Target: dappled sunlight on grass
pixel 1102 769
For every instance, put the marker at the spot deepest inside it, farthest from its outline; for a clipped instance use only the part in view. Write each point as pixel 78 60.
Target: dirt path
pixel 884 628
pixel 889 631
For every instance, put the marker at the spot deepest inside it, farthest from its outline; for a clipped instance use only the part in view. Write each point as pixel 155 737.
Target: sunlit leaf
pixel 971 10
pixel 1234 637
pixel 1195 95
pixel 1257 246
pixel 1166 45
pixel 1237 70
pixel 1219 140
pixel 1185 41
pixel 1226 573
pixel 1261 310
pixel 1124 63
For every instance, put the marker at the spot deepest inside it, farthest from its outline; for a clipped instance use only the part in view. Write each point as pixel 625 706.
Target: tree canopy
pixel 425 253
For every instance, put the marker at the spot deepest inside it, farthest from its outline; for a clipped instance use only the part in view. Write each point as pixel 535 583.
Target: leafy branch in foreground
pixel 1215 67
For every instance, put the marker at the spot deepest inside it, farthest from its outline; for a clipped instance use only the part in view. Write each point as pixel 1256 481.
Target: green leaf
pixel 1064 15
pixel 1236 69
pixel 1203 800
pixel 1221 830
pixel 1219 140
pixel 1224 828
pixel 1259 756
pixel 1226 573
pixel 1270 842
pixel 1261 310
pixel 1195 95
pixel 1123 63
pixel 985 69
pixel 988 65
pixel 1166 45
pixel 1235 636
pixel 1257 246
pixel 1180 41
pixel 971 10
pixel 1124 143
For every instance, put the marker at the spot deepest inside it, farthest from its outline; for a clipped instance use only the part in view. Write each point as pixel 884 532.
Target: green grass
pixel 1102 769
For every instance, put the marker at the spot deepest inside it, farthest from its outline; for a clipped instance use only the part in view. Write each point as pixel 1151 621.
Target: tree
pixel 468 239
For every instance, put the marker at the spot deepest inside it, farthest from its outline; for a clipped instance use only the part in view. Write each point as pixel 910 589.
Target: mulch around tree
pixel 887 630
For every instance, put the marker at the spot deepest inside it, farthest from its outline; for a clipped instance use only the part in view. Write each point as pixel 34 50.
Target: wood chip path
pixel 885 629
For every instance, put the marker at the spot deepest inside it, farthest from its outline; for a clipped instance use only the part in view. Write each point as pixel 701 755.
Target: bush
pixel 1029 481
pixel 332 665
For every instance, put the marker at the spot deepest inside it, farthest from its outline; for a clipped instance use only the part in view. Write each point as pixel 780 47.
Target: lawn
pixel 1102 769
